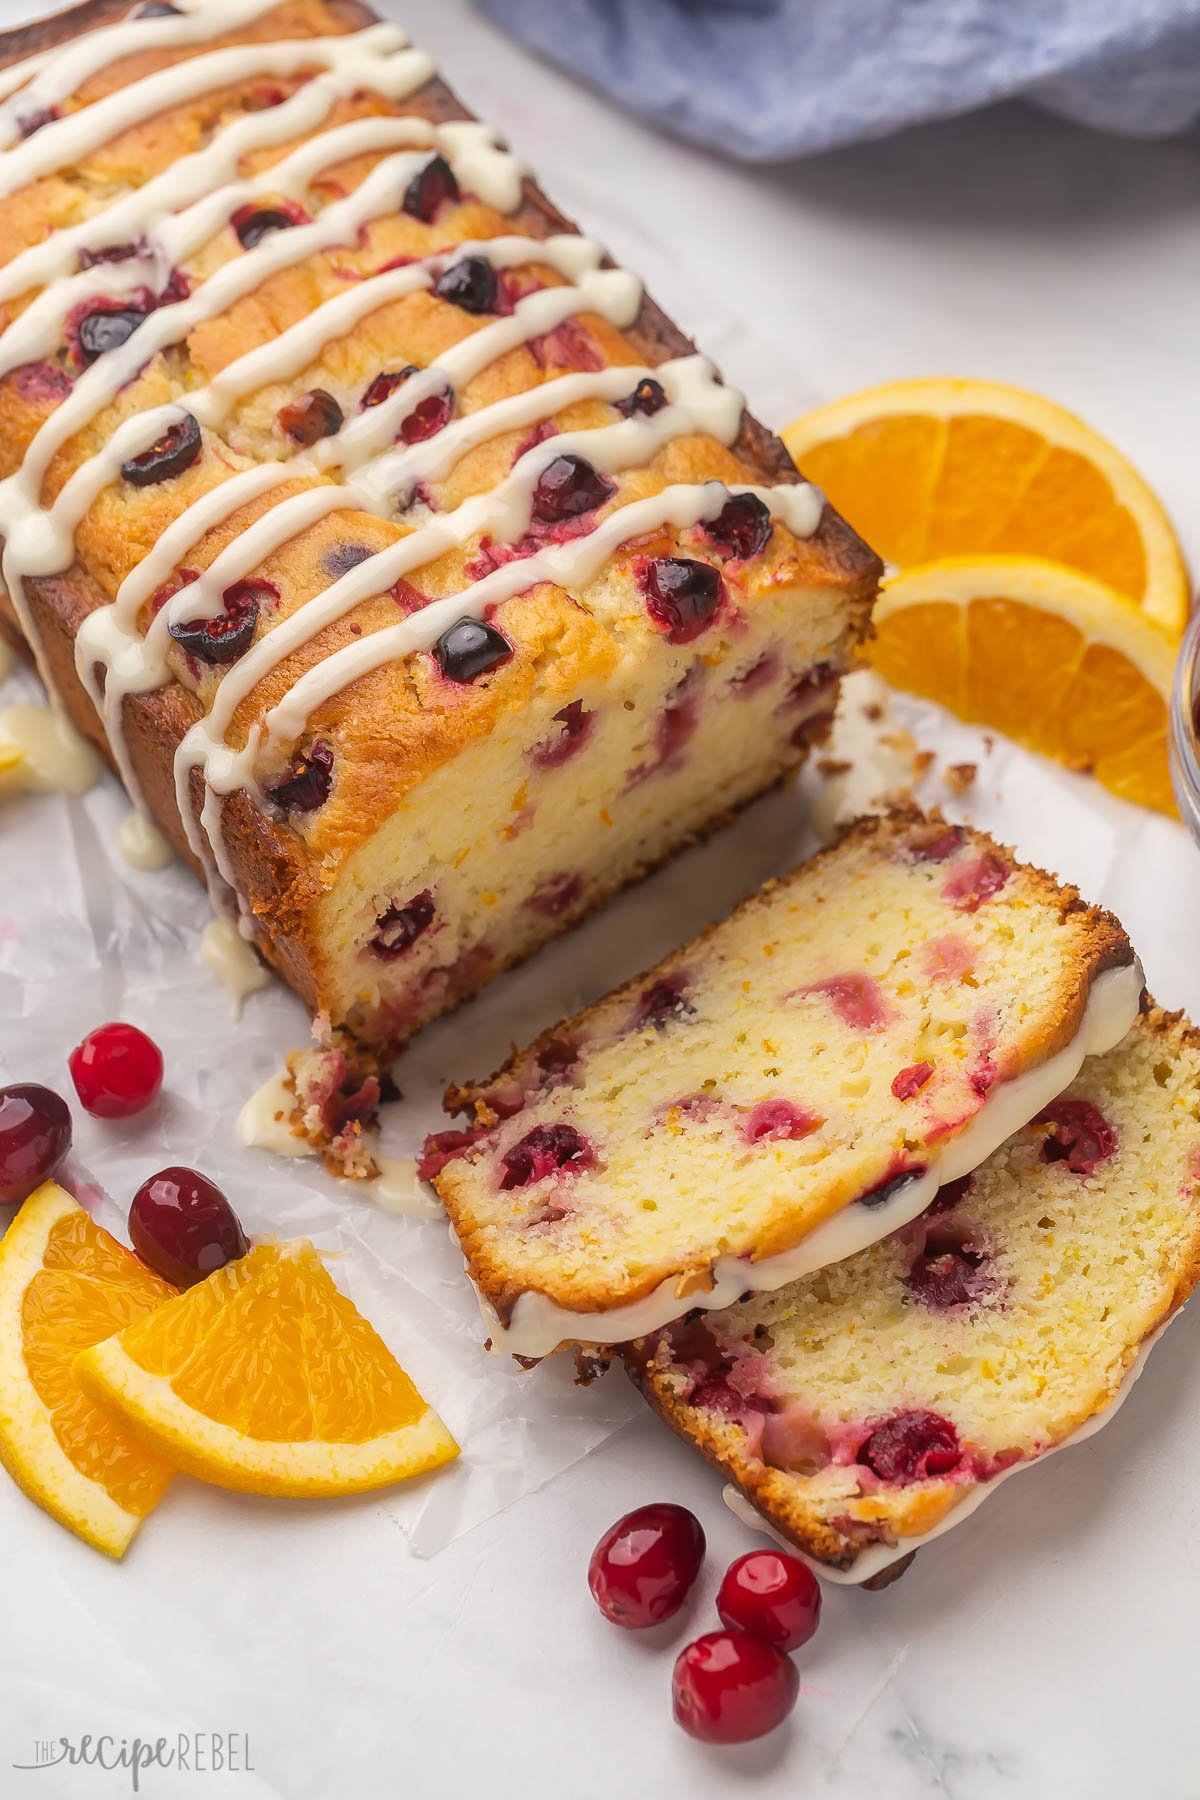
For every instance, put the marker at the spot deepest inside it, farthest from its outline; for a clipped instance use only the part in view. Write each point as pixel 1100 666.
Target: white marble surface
pixel 1048 1648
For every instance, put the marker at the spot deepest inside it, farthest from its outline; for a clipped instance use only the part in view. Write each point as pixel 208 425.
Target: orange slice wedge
pixel 64 1284
pixel 266 1379
pixel 936 468
pixel 1059 662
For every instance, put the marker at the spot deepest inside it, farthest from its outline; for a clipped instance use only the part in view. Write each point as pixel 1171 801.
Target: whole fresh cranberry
pixel 729 1687
pixel 428 417
pixel 382 386
pixel 772 1596
pixel 183 1227
pixel 117 1070
pixel 35 1135
pixel 644 1565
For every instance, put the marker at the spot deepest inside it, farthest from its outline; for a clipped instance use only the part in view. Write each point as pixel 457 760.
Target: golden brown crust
pixel 400 737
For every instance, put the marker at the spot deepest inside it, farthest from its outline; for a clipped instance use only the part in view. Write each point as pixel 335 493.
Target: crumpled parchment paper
pixel 84 937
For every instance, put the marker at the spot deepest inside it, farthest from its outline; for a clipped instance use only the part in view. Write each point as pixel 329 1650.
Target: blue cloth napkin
pixel 763 79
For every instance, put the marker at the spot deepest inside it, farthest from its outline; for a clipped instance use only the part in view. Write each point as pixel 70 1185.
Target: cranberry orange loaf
pixel 868 1407
pixel 416 574
pixel 783 1091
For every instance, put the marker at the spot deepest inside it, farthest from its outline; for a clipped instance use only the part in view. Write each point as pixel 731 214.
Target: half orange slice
pixel 64 1284
pixel 934 468
pixel 265 1378
pixel 1051 658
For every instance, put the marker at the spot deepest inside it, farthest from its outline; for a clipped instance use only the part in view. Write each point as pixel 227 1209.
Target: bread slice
pixel 781 1092
pixel 870 1406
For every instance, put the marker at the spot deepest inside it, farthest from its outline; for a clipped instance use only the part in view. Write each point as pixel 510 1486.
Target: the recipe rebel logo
pixel 188 1752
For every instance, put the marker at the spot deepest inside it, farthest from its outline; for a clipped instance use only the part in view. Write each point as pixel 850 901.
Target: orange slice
pixel 935 468
pixel 64 1284
pixel 265 1378
pixel 1053 659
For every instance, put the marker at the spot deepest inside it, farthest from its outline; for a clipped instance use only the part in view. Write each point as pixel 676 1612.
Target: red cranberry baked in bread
pixel 788 1088
pixel 866 1408
pixel 419 578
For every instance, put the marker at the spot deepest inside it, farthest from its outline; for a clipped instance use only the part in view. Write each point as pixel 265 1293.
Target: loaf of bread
pixel 788 1088
pixel 862 1410
pixel 421 581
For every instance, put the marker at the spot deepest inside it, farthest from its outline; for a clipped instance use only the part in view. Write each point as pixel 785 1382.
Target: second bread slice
pixel 866 1409
pixel 788 1088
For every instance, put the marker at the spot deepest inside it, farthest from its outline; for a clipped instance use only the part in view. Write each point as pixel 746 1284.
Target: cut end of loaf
pixel 569 798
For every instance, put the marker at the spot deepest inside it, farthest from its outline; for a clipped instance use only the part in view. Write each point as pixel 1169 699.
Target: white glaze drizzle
pixel 49 753
pixel 396 1189
pixel 109 644
pixel 80 134
pixel 45 81
pixel 264 1123
pixel 18 74
pixel 567 565
pixel 225 952
pixel 176 213
pixel 32 546
pixel 485 168
pixel 697 402
pixel 39 329
pixel 141 843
